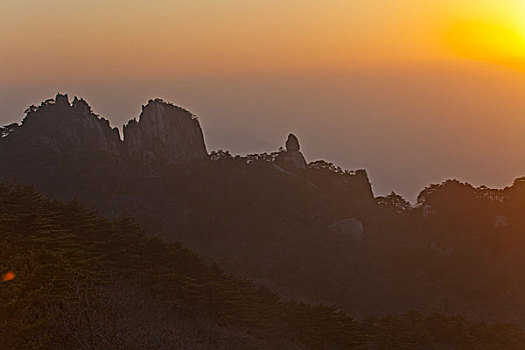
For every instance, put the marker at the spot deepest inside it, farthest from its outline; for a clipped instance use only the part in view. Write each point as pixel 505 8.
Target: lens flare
pixel 8 276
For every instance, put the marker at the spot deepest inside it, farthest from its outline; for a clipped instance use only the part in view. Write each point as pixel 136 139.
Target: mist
pixel 408 125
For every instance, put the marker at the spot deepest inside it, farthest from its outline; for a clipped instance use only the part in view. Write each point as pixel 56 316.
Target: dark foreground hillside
pixel 83 282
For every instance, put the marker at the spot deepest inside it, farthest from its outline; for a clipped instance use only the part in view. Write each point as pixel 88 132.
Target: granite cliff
pixel 164 131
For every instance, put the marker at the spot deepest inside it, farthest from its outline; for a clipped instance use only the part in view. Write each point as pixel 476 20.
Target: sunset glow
pixel 182 37
pixel 440 67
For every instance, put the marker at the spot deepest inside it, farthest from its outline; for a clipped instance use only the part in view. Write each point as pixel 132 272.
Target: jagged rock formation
pixel 292 143
pixel 292 158
pixel 62 127
pixel 166 132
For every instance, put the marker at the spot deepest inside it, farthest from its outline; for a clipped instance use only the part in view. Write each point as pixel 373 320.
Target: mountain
pixel 163 131
pixel 167 132
pixel 62 127
pixel 312 232
pixel 79 281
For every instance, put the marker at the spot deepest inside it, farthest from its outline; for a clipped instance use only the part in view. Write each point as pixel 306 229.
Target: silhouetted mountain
pixel 311 232
pixel 166 132
pixel 61 127
pixel 163 131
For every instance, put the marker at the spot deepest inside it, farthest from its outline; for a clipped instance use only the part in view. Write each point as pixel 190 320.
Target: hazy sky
pixel 414 91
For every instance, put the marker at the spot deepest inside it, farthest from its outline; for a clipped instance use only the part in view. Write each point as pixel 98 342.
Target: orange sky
pixel 415 91
pixel 159 37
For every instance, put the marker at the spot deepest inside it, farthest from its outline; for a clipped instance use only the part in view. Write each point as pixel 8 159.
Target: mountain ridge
pixel 163 131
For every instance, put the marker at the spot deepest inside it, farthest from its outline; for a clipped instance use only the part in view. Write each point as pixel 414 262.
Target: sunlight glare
pixel 8 276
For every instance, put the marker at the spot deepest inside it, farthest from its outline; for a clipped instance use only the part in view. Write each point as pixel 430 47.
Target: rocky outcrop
pixel 292 158
pixel 62 127
pixel 292 143
pixel 167 132
pixel 164 131
pixel 359 183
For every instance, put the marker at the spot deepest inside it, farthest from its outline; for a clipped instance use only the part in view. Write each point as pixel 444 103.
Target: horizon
pixel 414 93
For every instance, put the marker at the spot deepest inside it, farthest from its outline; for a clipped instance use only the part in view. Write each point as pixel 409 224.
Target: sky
pixel 414 91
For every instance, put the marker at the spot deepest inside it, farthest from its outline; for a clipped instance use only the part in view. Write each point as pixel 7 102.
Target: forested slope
pixel 83 282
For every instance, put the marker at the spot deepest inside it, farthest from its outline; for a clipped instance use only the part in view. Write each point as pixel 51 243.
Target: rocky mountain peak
pixel 292 158
pixel 60 127
pixel 62 100
pixel 165 131
pixel 82 106
pixel 292 143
